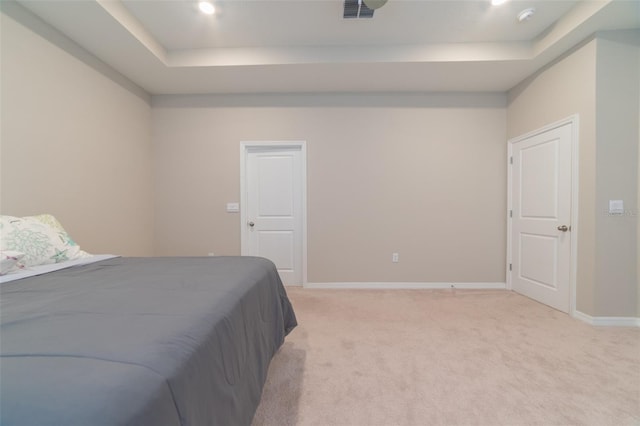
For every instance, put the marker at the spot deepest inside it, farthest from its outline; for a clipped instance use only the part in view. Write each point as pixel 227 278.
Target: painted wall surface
pixel 424 176
pixel 73 142
pixel 618 88
pixel 565 88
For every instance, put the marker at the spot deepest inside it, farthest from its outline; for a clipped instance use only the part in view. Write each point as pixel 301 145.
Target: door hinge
pixel 510 160
pixel 510 213
pixel 510 267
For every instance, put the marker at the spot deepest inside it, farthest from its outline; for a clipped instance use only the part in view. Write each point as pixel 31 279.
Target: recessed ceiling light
pixel 526 14
pixel 498 2
pixel 206 7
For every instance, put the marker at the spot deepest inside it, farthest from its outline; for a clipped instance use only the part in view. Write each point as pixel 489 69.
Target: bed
pixel 141 341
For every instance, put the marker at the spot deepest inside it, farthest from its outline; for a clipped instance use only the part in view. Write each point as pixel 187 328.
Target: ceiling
pixel 289 46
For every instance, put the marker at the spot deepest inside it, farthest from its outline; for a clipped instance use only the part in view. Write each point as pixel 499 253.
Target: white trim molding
pixel 408 285
pixel 608 321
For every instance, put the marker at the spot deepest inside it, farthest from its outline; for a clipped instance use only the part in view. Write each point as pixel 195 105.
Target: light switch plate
pixel 233 207
pixel 616 207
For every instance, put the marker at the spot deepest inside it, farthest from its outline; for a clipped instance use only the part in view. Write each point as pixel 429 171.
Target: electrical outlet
pixel 211 254
pixel 395 257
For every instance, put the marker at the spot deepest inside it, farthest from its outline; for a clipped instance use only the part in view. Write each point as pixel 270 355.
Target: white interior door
pixel 273 215
pixel 541 214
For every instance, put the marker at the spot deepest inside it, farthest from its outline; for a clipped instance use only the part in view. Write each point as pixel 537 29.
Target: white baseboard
pixel 608 321
pixel 408 285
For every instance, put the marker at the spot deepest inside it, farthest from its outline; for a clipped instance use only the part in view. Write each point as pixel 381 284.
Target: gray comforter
pixel 141 341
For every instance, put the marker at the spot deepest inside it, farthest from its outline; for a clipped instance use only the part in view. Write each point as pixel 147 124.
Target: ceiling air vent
pixel 356 9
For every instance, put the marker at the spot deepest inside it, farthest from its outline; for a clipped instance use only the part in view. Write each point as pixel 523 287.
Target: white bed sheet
pixel 43 269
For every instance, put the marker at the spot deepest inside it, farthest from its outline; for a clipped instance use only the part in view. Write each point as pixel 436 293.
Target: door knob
pixel 563 228
pixel 251 224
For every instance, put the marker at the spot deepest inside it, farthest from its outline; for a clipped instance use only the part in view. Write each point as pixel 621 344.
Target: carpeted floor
pixel 447 357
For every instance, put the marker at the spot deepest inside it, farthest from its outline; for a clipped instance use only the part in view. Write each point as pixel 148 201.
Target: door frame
pixel 245 148
pixel 574 122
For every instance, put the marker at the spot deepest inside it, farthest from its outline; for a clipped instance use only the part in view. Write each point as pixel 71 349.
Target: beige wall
pixel 73 142
pixel 618 86
pixel 424 176
pixel 598 81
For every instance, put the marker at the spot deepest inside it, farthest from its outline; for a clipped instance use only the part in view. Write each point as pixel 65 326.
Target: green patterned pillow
pixel 41 243
pixel 49 219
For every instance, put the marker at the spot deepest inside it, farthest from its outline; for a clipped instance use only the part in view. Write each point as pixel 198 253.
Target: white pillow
pixel 10 261
pixel 41 243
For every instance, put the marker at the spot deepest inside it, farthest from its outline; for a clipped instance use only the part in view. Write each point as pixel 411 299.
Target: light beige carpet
pixel 447 357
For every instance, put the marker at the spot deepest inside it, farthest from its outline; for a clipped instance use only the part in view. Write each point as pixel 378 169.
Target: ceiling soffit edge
pixel 440 52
